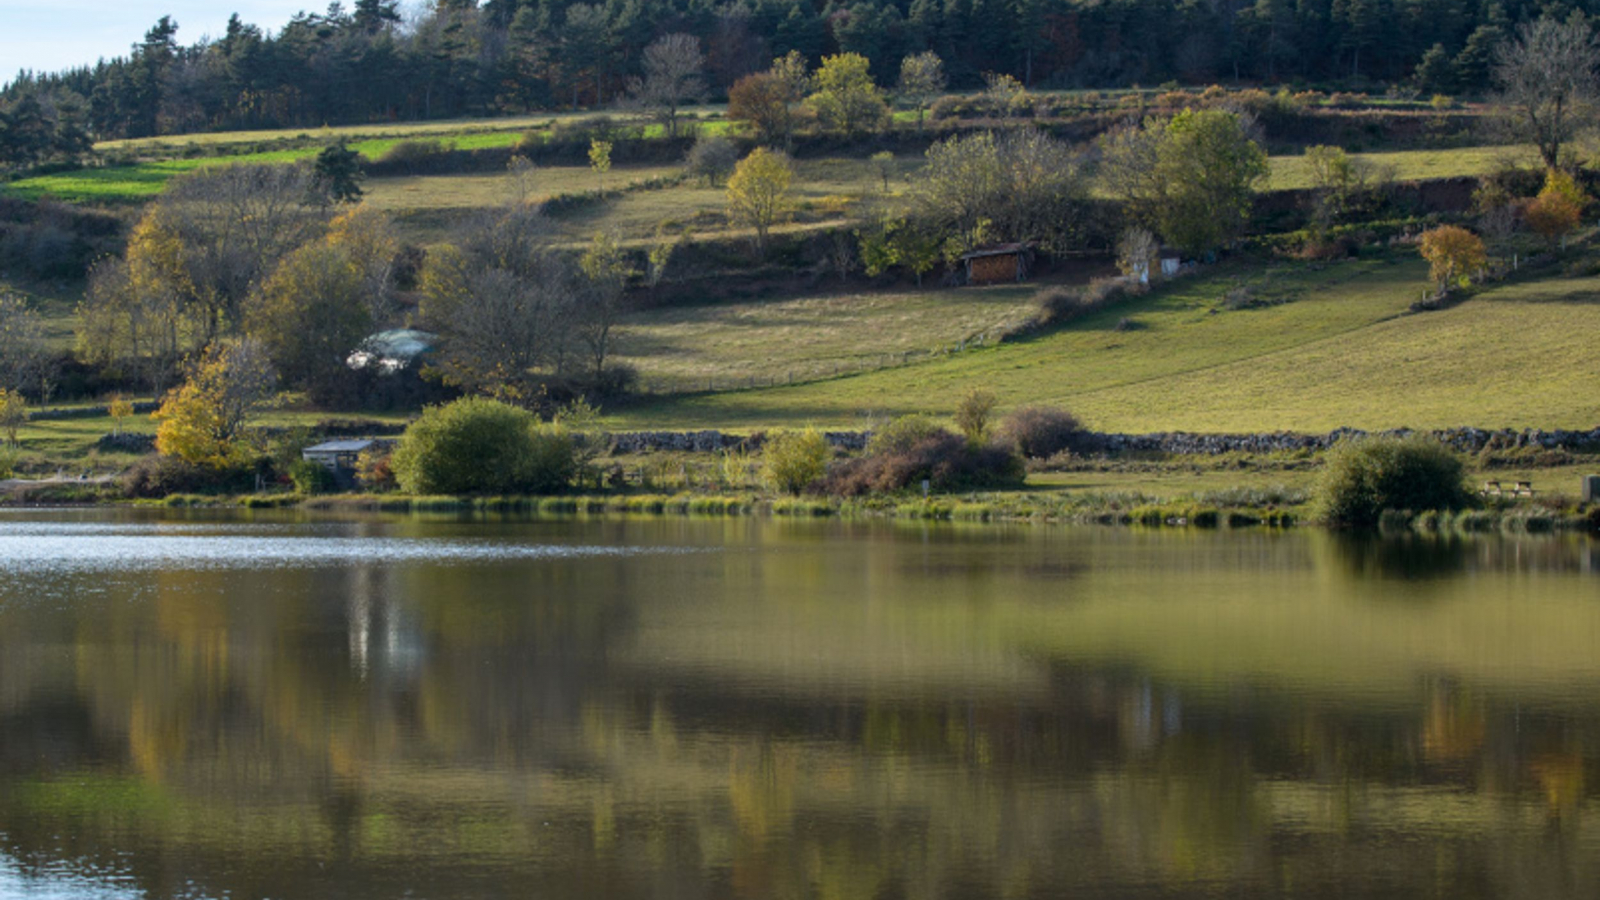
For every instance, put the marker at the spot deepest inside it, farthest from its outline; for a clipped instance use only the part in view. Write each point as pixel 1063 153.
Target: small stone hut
pixel 337 456
pixel 998 263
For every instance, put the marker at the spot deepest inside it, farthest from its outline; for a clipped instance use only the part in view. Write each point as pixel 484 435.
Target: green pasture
pixel 1290 172
pixel 1327 346
pixel 803 338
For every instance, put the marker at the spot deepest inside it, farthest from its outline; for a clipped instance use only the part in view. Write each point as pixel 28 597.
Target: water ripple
pixel 33 550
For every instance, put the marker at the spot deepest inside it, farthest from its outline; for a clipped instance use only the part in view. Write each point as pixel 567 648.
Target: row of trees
pixel 260 253
pixel 367 62
pixel 42 127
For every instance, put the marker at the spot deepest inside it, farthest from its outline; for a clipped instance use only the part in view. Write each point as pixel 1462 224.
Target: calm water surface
pixel 208 705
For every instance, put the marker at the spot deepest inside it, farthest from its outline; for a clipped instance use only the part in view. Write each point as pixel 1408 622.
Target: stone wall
pixel 1466 440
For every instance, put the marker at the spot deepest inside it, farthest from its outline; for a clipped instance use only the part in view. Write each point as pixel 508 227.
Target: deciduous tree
pixel 673 75
pixel 13 414
pixel 600 160
pixel 1019 186
pixel 844 97
pixel 605 273
pixel 1192 178
pixel 1547 82
pixel 1453 254
pixel 310 316
pixel 22 352
pixel 758 192
pixel 204 420
pixel 921 79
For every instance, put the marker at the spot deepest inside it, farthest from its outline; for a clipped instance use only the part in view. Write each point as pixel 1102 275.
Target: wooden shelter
pixel 998 263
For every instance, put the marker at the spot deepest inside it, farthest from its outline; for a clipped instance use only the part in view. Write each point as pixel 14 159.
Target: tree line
pixel 367 62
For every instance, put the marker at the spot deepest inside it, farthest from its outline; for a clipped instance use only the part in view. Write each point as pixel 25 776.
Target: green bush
pixel 791 460
pixel 902 434
pixel 310 477
pixel 481 446
pixel 1365 477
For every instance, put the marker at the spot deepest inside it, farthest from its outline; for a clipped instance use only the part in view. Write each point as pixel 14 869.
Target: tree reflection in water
pixel 816 710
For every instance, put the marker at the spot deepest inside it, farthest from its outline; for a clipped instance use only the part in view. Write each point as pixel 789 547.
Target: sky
pixel 49 35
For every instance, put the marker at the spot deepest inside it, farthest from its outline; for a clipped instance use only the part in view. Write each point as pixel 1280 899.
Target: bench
pixel 1517 489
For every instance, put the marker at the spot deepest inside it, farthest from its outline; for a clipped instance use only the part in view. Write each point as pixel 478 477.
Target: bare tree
pixel 502 303
pixel 1022 186
pixel 524 174
pixel 1547 82
pixel 1136 254
pixel 121 326
pixel 22 354
pixel 673 75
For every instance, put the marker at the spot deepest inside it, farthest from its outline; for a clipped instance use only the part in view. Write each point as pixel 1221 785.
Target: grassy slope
pixel 803 338
pixel 1337 352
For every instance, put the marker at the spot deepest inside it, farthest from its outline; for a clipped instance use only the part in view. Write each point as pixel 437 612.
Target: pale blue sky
pixel 47 35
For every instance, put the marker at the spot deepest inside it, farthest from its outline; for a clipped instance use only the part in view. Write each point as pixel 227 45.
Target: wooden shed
pixel 998 263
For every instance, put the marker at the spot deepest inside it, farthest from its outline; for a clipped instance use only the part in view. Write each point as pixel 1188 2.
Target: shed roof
pixel 340 447
pixel 996 250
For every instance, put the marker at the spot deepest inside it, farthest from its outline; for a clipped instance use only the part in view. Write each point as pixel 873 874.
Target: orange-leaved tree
pixel 1453 253
pixel 1556 211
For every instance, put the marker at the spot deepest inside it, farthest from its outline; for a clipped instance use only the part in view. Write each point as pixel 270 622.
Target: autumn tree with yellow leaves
pixel 204 421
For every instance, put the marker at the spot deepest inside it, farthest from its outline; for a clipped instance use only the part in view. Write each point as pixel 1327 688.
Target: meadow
pixel 803 338
pixel 1323 346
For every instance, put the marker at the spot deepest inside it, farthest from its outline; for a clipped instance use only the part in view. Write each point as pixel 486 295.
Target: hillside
pixel 1326 346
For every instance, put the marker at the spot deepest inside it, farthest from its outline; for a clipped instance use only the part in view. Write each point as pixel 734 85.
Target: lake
pixel 205 704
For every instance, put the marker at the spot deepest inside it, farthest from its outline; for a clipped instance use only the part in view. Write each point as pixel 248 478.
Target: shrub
pixel 902 434
pixel 584 131
pixel 711 158
pixel 1058 305
pixel 1365 477
pixel 1040 432
pixel 792 460
pixel 975 414
pixel 161 476
pixel 310 477
pixel 374 471
pixel 946 461
pixel 481 446
pixel 409 153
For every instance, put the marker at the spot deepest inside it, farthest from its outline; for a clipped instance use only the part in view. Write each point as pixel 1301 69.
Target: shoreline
pixel 996 508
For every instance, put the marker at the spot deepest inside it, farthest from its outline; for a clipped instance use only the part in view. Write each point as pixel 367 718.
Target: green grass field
pixel 1290 172
pixel 681 347
pixel 1332 347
